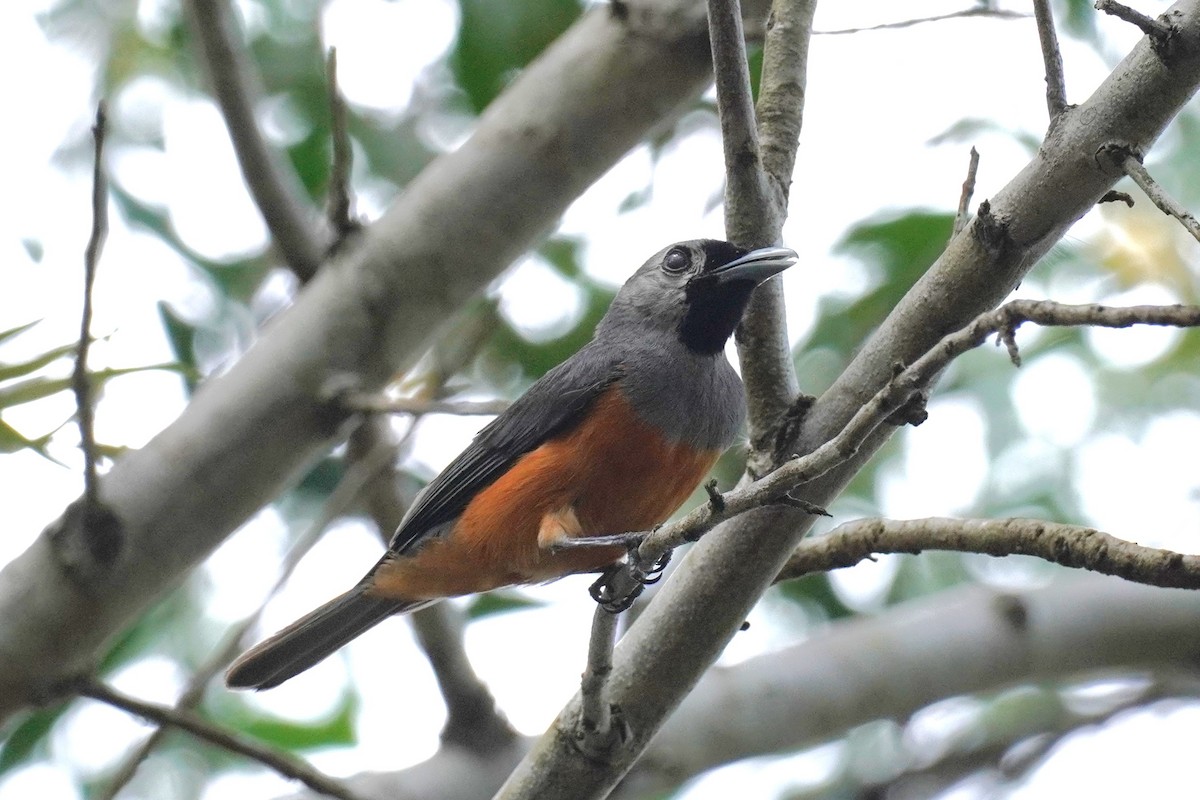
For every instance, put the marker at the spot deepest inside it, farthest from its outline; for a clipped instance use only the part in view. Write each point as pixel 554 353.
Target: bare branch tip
pixel 1154 28
pixel 1056 92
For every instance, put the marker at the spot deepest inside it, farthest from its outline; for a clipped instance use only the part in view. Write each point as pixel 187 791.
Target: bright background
pixel 1095 428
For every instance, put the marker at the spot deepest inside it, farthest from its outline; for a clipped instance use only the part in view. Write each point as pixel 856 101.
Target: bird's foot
pixel 608 591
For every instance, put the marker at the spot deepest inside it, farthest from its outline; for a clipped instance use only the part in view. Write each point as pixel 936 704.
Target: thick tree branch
pixel 693 615
pixel 1069 545
pixel 286 209
pixel 254 430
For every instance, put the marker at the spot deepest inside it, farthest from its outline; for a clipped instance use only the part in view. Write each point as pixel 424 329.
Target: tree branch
pixel 981 11
pixel 339 203
pixel 1069 545
pixel 282 201
pixel 285 765
pixel 964 200
pixel 1056 92
pixel 1167 204
pixel 754 214
pixel 80 381
pixel 1151 27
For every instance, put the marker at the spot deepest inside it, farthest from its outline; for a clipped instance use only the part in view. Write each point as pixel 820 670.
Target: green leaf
pixel 897 250
pixel 181 336
pixel 499 602
pixel 26 740
pixel 815 590
pixel 496 38
pixel 40 388
pixel 10 371
pixel 296 736
pixel 11 332
pixel 11 441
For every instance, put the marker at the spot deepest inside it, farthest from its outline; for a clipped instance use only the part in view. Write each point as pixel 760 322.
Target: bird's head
pixel 696 290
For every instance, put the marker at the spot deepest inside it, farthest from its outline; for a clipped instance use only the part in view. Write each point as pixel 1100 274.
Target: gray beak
pixel 756 266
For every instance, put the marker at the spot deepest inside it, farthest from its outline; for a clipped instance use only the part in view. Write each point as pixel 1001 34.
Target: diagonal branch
pixel 981 11
pixel 203 729
pixel 1167 204
pixel 294 225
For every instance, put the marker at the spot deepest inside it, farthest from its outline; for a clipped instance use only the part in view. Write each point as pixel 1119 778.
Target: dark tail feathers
pixel 312 638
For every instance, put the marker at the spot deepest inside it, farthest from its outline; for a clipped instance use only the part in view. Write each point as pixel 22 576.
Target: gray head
pixel 696 290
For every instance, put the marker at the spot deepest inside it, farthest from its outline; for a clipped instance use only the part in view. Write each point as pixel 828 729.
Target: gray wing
pixel 551 406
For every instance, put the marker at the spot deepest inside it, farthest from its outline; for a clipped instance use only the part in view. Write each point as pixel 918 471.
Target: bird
pixel 612 440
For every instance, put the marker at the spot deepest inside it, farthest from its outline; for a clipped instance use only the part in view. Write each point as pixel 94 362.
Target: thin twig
pixel 774 488
pixel 908 23
pixel 340 203
pixel 293 768
pixel 596 730
pixel 277 191
pixel 380 404
pixel 1069 545
pixel 1149 26
pixel 964 200
pixel 1167 204
pixel 80 382
pixel 1056 91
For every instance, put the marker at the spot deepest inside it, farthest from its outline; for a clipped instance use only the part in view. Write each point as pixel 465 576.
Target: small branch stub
pixel 1155 29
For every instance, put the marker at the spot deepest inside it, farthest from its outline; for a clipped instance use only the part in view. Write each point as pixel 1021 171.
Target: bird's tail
pixel 312 638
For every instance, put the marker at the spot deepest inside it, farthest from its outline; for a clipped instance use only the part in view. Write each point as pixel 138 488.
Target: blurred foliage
pixel 20 383
pixel 498 37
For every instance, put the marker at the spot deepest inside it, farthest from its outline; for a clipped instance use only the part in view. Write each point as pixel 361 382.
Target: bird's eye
pixel 676 260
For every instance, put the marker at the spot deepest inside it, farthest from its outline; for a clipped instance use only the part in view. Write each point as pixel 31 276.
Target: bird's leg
pixel 561 530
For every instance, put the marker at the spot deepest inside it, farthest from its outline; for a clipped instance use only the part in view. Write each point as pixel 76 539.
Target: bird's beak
pixel 756 266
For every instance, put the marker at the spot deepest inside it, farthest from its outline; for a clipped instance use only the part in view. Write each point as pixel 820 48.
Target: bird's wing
pixel 551 406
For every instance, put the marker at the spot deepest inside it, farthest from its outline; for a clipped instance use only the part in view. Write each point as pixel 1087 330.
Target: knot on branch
pixel 87 539
pixel 601 743
pixel 991 231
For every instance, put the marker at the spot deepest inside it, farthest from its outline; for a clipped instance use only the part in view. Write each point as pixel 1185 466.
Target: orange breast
pixel 616 472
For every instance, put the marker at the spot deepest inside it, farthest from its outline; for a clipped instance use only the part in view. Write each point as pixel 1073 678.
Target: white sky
pixel 875 101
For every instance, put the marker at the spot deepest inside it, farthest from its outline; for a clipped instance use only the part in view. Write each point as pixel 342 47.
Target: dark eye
pixel 676 260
